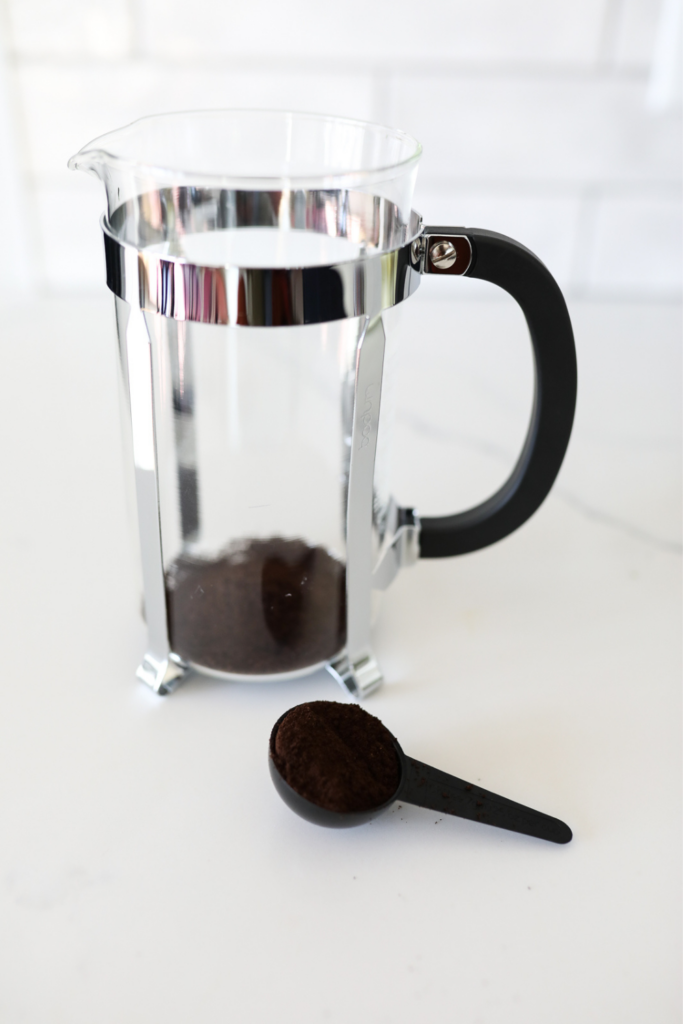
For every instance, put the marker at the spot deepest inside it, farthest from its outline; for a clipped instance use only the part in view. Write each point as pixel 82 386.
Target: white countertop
pixel 149 871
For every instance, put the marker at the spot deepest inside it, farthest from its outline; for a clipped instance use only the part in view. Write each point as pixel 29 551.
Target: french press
pixel 253 257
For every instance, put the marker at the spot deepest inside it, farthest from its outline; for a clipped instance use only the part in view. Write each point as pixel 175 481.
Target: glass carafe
pixel 253 256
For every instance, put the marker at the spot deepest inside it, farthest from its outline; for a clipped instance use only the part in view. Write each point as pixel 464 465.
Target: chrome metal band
pixel 169 284
pixel 258 297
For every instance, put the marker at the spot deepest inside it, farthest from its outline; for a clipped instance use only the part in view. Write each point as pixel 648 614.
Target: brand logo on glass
pixel 366 416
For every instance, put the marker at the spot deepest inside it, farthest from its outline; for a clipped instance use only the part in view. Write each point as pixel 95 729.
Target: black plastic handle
pixel 511 266
pixel 425 786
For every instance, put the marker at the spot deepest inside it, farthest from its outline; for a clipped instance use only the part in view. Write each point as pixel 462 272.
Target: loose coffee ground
pixel 265 607
pixel 337 756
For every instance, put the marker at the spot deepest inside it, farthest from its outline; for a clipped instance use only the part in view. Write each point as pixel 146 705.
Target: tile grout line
pixel 427 67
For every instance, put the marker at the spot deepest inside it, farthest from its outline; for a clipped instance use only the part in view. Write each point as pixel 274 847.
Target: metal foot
pixel 360 679
pixel 161 675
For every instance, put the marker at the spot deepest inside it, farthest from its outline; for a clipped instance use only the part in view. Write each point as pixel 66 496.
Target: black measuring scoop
pixel 418 784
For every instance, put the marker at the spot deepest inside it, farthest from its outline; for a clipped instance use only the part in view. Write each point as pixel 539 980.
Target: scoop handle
pixel 425 786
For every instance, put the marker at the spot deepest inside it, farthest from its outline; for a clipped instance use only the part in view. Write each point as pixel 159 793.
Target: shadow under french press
pixel 314 686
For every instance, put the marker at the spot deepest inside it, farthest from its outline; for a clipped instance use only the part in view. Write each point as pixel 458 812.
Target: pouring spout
pixel 119 183
pixel 115 160
pixel 92 161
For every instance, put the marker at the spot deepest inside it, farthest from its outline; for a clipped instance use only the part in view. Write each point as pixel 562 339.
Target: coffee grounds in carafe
pixel 268 606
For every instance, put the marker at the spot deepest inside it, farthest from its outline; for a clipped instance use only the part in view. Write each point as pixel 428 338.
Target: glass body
pixel 253 424
pixel 253 439
pixel 252 150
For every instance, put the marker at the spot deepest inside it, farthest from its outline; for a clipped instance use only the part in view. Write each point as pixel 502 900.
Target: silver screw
pixel 442 255
pixel 416 250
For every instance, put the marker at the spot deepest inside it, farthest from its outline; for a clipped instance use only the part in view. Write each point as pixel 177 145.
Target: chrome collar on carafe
pixel 386 272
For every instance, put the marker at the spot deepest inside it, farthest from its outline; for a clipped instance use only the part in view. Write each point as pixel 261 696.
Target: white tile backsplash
pixel 534 128
pixel 635 35
pixel 533 115
pixel 638 245
pixel 71 251
pixel 389 32
pixel 67 28
pixel 65 107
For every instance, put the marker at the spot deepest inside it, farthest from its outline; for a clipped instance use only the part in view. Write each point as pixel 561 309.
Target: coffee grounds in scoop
pixel 268 606
pixel 337 756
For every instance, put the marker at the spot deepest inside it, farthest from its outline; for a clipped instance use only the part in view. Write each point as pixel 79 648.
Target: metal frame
pixel 244 297
pixel 160 668
pixel 357 669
